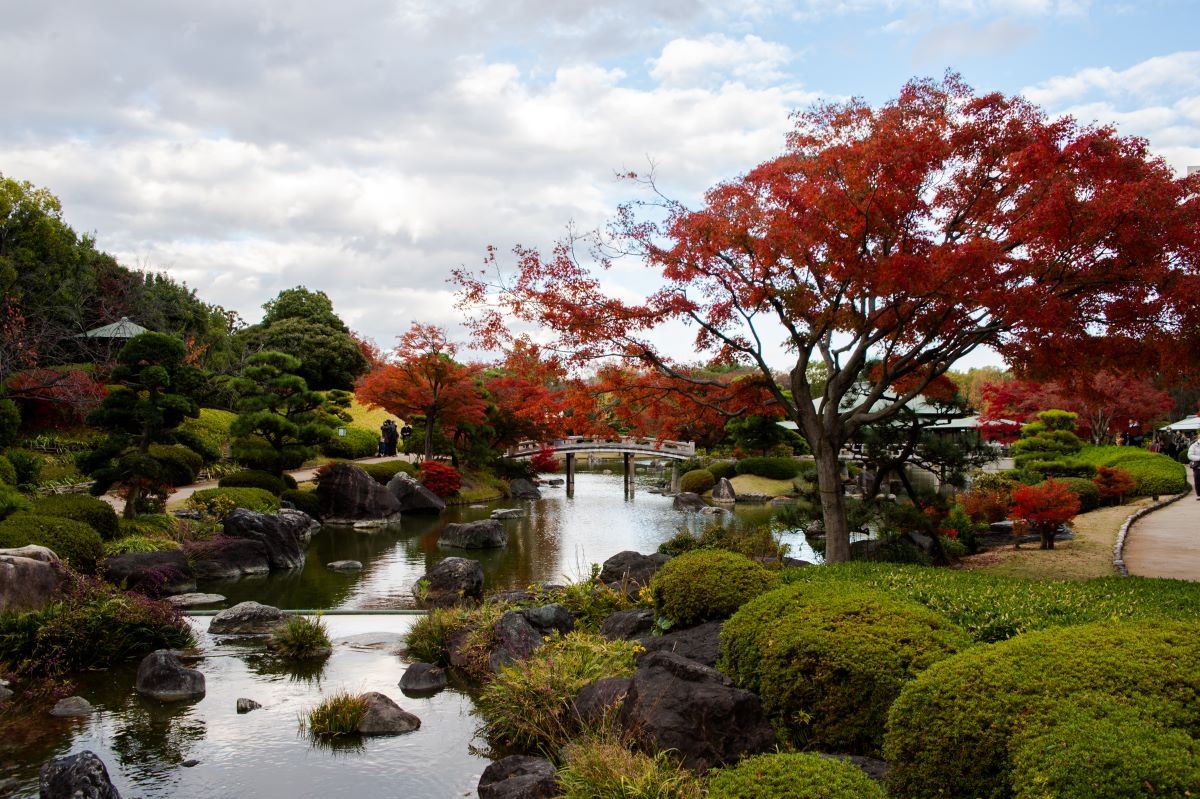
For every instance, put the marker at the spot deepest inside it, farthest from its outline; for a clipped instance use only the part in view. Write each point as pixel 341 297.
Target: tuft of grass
pixel 337 715
pixel 598 768
pixel 301 638
pixel 428 640
pixel 138 543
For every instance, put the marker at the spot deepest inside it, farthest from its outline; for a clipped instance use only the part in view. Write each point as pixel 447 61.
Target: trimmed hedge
pixel 792 776
pixel 994 608
pixel 307 501
pixel 75 542
pixel 726 469
pixel 8 472
pixel 774 468
pixel 179 464
pixel 707 585
pixel 697 481
pixel 357 443
pixel 1155 473
pixel 11 501
pixel 253 478
pixel 828 667
pixel 385 471
pixel 1086 490
pixel 948 733
pixel 211 428
pixel 96 513
pixel 197 444
pixel 220 501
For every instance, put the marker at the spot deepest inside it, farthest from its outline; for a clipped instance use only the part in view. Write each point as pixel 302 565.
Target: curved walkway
pixel 1166 543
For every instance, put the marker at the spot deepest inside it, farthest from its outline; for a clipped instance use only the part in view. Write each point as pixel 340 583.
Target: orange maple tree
pixel 425 380
pixel 1045 506
pixel 909 234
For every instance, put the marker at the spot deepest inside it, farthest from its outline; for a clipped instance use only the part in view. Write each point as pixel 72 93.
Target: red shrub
pixel 544 462
pixel 1045 506
pixel 439 478
pixel 1113 483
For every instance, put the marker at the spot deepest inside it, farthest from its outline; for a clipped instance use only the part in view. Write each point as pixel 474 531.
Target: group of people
pixel 389 437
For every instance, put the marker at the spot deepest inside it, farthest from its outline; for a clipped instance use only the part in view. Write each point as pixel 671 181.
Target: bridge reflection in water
pixel 629 448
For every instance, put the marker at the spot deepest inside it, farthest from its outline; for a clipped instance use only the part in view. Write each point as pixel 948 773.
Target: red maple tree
pixel 528 395
pixel 908 234
pixel 425 380
pixel 1045 506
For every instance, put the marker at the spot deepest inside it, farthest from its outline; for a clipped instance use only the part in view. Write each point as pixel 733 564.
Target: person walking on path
pixel 1194 460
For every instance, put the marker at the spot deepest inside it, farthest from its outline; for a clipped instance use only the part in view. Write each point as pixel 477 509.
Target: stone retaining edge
pixel 1119 549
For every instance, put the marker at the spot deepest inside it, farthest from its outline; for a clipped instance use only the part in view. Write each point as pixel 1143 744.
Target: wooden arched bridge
pixel 629 447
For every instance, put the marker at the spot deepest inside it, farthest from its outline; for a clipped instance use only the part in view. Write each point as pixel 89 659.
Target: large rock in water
pixel 676 703
pixel 687 500
pixel 451 582
pixel 632 567
pixel 723 491
pixel 423 679
pixel 81 776
pixel 225 558
pixel 161 676
pixel 519 777
pixel 523 489
pixel 30 578
pixel 247 618
pixel 351 496
pixel 414 497
pixel 282 536
pixel 151 573
pixel 385 717
pixel 483 534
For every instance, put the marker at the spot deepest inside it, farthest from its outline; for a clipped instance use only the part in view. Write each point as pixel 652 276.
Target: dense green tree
pixel 300 303
pixel 280 420
pixel 758 433
pixel 155 395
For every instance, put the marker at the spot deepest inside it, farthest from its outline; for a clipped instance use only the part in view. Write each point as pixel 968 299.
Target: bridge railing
pixel 678 449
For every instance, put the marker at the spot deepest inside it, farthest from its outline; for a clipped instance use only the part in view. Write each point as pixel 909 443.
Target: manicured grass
pixel 752 484
pixel 369 418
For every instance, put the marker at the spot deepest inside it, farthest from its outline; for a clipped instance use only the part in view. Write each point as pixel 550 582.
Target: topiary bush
pixel 773 468
pixel 726 469
pixel 828 667
pixel 12 501
pixel 1086 490
pixel 253 478
pixel 210 428
pixel 949 731
pixel 1154 472
pixel 96 513
pixel 306 501
pixel 75 542
pixel 697 481
pixel 179 464
pixel 357 443
pixel 197 444
pixel 384 472
pixel 1095 748
pixel 8 472
pixel 707 585
pixel 218 502
pixel 792 776
pixel 440 478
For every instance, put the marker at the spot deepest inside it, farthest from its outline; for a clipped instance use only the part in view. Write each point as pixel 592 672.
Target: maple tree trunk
pixel 428 437
pixel 833 505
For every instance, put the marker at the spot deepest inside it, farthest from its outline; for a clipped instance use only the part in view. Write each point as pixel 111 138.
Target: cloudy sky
pixel 367 147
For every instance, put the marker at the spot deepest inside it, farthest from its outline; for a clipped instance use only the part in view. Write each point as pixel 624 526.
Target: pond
pixel 557 540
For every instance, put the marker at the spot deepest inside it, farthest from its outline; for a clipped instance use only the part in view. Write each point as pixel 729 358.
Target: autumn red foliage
pixel 544 462
pixel 528 396
pixel 54 397
pixel 1045 506
pixel 910 233
pixel 1113 484
pixel 440 478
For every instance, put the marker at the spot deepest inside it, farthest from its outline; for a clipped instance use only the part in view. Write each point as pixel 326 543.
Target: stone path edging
pixel 1119 549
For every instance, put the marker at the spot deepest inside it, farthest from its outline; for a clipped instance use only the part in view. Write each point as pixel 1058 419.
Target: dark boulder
pixel 224 558
pixel 30 578
pixel 701 644
pixel 247 618
pixel 161 676
pixel 281 535
pixel 687 500
pixel 385 717
pixel 597 700
pixel 81 776
pixel 72 706
pixel 483 534
pixel 552 618
pixel 422 679
pixel 351 496
pixel 676 703
pixel 523 489
pixel 723 491
pixel 631 567
pixel 151 573
pixel 516 639
pixel 451 582
pixel 414 497
pixel 625 625
pixel 519 777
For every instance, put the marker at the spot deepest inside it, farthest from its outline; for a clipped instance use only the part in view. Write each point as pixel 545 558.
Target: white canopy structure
pixel 1186 423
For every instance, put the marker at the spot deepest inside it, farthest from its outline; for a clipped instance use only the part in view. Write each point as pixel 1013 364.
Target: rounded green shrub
pixel 357 443
pixel 792 776
pixel 1097 749
pixel 1157 476
pixel 253 478
pixel 949 731
pixel 8 472
pixel 11 501
pixel 726 469
pixel 306 501
pixel 219 502
pixel 385 471
pixel 96 513
pixel 707 585
pixel 697 481
pixel 179 464
pixel 1086 490
pixel 828 667
pixel 773 468
pixel 197 444
pixel 75 542
pixel 211 427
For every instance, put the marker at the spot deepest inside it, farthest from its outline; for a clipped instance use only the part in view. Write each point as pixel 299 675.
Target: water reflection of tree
pixel 153 738
pixel 307 672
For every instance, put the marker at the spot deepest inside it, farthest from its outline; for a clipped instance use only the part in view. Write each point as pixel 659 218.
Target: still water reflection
pixel 557 540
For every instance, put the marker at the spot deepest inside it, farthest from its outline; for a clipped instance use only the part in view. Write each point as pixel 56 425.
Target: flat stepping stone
pixel 194 600
pixel 72 706
pixel 344 566
pixel 380 640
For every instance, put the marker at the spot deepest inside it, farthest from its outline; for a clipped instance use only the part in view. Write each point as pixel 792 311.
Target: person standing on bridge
pixel 1194 461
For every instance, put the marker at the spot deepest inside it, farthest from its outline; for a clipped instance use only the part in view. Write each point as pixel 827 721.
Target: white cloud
pixel 717 58
pixel 1177 72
